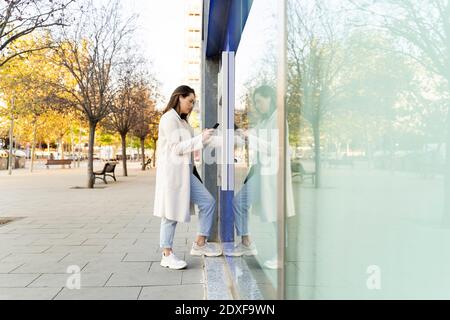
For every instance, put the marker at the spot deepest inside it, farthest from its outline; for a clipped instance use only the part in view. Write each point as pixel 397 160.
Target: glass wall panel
pixel 256 154
pixel 368 98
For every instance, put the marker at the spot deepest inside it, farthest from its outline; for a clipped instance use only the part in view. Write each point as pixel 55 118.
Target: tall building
pixel 193 37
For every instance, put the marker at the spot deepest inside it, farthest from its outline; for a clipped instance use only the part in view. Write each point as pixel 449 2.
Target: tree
pixel 91 52
pixel 20 18
pixel 374 86
pixel 423 28
pixel 125 109
pixel 315 60
pixel 57 126
pixel 25 79
pixel 147 119
pixel 154 133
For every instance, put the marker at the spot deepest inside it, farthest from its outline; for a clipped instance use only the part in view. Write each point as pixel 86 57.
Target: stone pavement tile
pixel 64 225
pixel 127 235
pixel 122 219
pixel 7 267
pixel 46 267
pixel 35 257
pixel 16 280
pixel 75 249
pixel 60 280
pixel 100 294
pixel 112 242
pixel 86 230
pixel 8 236
pixel 22 249
pixel 138 224
pixel 100 235
pixel 113 226
pixel 61 242
pixel 103 220
pixel 182 292
pixel 6 230
pixel 150 236
pixel 48 236
pixel 27 227
pixel 130 248
pixel 155 229
pixel 193 276
pixel 29 293
pixel 194 262
pixel 153 242
pixel 134 229
pixel 134 279
pixel 115 229
pixel 143 257
pixel 115 267
pixel 77 258
pixel 44 231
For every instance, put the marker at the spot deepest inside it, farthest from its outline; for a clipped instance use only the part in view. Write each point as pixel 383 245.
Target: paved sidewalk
pixel 109 233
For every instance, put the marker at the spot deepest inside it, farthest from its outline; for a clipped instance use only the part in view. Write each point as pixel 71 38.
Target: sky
pixel 161 33
pixel 161 36
pixel 258 42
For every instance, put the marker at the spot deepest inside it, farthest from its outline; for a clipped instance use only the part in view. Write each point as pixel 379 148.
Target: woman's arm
pixel 173 133
pixel 260 144
pixel 242 139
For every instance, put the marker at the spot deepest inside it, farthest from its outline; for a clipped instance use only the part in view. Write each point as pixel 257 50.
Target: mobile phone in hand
pixel 216 126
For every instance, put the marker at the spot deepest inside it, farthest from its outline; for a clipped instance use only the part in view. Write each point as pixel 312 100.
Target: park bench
pixel 52 162
pixel 341 162
pixel 298 170
pixel 108 171
pixel 148 164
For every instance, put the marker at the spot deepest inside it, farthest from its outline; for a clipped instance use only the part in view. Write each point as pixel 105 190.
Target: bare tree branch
pixel 20 18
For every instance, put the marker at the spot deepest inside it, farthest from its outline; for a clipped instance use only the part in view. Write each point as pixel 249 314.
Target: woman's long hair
pixel 266 92
pixel 174 102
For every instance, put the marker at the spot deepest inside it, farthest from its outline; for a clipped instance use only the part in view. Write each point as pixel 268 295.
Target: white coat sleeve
pixel 217 141
pixel 259 144
pixel 169 129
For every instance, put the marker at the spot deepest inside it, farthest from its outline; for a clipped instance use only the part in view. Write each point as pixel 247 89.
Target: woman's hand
pixel 242 133
pixel 206 135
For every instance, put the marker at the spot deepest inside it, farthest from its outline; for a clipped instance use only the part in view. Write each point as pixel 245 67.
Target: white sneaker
pixel 272 264
pixel 242 250
pixel 208 250
pixel 173 262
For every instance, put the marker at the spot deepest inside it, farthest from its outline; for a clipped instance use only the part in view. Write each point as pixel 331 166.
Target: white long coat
pixel 176 145
pixel 263 143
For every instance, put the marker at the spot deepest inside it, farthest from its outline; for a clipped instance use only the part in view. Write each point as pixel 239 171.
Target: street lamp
pixel 11 138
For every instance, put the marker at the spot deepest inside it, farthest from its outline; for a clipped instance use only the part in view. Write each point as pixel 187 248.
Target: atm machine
pixel 225 155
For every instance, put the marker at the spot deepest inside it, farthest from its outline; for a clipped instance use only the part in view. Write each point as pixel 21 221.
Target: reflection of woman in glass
pixel 259 191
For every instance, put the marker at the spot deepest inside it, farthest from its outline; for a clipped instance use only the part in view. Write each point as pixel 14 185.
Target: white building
pixel 193 39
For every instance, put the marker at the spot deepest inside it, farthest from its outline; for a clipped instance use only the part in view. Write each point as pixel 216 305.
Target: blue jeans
pixel 242 202
pixel 207 206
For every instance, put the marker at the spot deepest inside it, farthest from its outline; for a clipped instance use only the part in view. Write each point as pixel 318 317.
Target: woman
pixel 177 188
pixel 260 185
